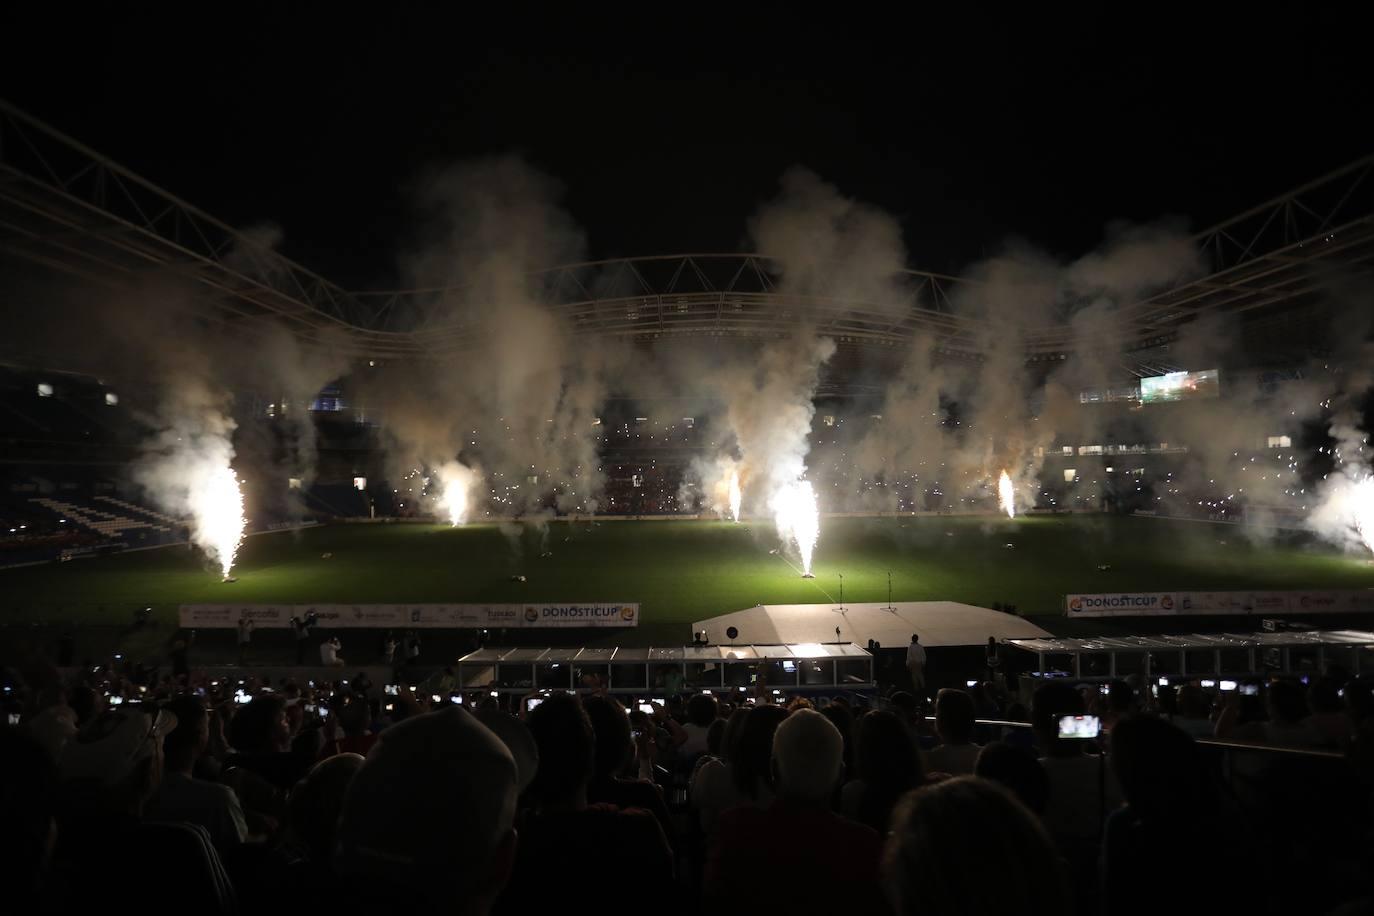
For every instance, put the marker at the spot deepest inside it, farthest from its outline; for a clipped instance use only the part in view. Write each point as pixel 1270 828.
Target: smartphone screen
pixel 532 703
pixel 646 708
pixel 1079 726
pixel 1249 690
pixel 1228 686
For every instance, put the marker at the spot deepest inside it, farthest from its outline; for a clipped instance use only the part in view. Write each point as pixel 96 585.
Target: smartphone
pixel 14 718
pixel 1104 689
pixel 1079 726
pixel 390 707
pixel 494 693
pixel 1249 690
pixel 533 703
pixel 634 733
pixel 456 699
pixel 200 691
pixel 1154 690
pixel 310 708
pixel 1163 682
pixel 646 708
pixel 970 683
pixel 1209 683
pixel 392 690
pixel 1228 686
pixel 777 693
pixel 707 693
pixel 116 701
pixel 324 713
pixel 311 683
pixel 435 698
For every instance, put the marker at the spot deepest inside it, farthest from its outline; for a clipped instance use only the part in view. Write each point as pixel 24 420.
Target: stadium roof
pixel 71 210
pixel 1263 640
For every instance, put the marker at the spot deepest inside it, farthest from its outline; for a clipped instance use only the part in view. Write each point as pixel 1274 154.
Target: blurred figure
pixel 701 712
pixel 916 665
pixel 967 847
pixel 797 834
pixel 316 803
pixel 563 820
pixel 713 787
pixel 1194 713
pixel 615 749
pixel 1015 768
pixel 954 720
pixel 428 819
pixel 180 796
pixel 888 766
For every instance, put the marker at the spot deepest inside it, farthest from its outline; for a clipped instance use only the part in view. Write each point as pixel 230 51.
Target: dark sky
pixel 668 132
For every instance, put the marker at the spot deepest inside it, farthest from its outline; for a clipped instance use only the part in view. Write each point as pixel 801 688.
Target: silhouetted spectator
pixel 261 738
pixel 615 749
pixel 842 718
pixel 564 821
pixel 316 803
pixel 713 788
pixel 701 712
pixel 180 796
pixel 888 766
pixel 954 720
pixel 1287 725
pixel 1194 714
pixel 1017 769
pixel 427 822
pixel 797 834
pixel 1083 790
pixel 752 767
pixel 967 847
pixel 355 718
pixel 28 812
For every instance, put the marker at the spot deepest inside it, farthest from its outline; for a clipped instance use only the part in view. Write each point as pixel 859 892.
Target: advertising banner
pixel 414 616
pixel 1149 604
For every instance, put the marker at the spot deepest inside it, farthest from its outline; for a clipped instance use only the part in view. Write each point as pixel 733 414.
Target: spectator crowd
pixel 224 796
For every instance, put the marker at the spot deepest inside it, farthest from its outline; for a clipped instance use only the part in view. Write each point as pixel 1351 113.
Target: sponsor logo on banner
pixel 1129 604
pixel 419 616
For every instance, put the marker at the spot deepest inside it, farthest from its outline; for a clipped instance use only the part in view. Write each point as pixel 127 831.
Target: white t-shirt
pixel 954 759
pixel 696 740
pixel 329 654
pixel 915 655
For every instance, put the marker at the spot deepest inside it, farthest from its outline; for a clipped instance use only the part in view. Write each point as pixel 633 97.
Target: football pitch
pixel 684 570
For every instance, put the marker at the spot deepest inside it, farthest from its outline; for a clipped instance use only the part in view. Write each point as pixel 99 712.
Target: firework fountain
pixel 216 503
pixel 734 494
pixel 798 520
pixel 1006 495
pixel 456 483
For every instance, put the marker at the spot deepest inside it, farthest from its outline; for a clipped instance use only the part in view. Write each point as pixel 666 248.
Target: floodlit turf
pixel 681 571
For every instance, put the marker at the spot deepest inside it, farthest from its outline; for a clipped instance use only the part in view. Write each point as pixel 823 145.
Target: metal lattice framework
pixel 70 209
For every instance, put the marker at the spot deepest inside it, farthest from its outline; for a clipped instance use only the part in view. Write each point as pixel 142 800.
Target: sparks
pixel 1006 495
pixel 798 520
pixel 734 494
pixel 455 480
pixel 216 504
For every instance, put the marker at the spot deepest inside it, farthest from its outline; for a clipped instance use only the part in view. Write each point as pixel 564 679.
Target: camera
pixel 1079 727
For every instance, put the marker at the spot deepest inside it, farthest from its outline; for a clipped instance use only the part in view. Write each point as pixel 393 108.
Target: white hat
pixel 109 747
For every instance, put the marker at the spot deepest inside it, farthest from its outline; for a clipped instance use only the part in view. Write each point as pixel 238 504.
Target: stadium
pixel 691 493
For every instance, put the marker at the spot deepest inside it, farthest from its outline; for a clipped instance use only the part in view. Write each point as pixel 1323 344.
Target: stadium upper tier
pixel 71 210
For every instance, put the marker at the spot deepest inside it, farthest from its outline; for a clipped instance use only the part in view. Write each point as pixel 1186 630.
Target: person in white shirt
pixel 329 652
pixel 180 796
pixel 916 665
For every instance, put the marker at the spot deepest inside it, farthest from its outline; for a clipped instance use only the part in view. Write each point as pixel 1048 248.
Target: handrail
pixel 1205 742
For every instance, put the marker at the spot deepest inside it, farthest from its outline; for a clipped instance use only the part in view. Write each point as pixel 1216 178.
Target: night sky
pixel 669 131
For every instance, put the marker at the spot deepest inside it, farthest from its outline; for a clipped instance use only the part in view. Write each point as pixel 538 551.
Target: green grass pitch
pixel 686 570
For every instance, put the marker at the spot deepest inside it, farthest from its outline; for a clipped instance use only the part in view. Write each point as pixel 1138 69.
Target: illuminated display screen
pixel 1180 386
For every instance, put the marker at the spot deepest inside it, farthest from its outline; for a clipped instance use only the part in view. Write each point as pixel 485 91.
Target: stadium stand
pixel 268 790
